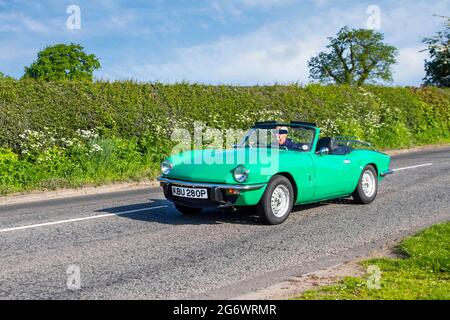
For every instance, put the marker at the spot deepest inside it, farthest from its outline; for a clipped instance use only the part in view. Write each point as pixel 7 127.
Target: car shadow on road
pixel 167 214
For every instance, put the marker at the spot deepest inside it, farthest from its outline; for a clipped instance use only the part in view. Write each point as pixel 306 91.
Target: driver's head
pixel 282 135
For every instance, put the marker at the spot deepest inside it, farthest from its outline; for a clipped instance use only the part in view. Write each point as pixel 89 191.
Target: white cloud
pixel 260 56
pixel 276 52
pixel 279 52
pixel 15 22
pixel 410 67
pixel 123 20
pixel 264 3
pixel 224 11
pixel 321 3
pixel 14 51
pixel 33 25
pixel 411 21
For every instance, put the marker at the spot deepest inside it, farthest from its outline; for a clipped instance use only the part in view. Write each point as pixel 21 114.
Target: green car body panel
pixel 314 177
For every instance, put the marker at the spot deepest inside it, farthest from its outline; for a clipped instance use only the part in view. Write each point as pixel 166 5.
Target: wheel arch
pixel 292 181
pixel 374 165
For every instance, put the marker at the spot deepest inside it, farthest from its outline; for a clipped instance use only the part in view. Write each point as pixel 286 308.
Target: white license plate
pixel 190 192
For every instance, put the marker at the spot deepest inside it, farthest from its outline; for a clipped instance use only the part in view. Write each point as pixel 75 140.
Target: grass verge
pixel 423 272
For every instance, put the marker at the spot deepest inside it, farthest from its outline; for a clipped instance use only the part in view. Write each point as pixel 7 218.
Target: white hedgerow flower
pixel 96 148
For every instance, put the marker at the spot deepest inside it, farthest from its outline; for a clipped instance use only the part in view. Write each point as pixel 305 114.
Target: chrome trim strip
pixel 384 174
pixel 212 185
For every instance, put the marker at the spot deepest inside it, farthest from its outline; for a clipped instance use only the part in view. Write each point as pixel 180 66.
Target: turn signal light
pixel 232 191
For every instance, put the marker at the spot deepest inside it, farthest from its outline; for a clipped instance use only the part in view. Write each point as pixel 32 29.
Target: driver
pixel 283 140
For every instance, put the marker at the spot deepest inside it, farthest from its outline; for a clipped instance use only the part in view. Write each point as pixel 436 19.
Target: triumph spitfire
pixel 273 168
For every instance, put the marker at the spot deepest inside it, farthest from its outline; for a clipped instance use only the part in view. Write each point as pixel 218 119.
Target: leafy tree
pixel 355 56
pixel 61 61
pixel 438 67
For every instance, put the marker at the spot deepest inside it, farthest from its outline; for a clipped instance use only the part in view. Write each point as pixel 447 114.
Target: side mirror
pixel 323 151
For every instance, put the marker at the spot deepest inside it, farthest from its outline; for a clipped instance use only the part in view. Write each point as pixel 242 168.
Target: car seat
pixel 334 148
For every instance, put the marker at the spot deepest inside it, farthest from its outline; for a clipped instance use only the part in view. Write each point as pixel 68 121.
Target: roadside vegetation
pixel 60 128
pixel 422 273
pixel 70 133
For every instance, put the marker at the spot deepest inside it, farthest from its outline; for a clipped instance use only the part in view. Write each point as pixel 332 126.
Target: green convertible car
pixel 275 166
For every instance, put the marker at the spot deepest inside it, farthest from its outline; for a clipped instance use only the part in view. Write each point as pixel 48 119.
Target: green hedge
pixel 389 117
pixel 140 118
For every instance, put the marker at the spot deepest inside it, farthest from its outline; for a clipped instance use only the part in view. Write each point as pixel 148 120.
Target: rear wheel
pixel 367 188
pixel 277 201
pixel 188 211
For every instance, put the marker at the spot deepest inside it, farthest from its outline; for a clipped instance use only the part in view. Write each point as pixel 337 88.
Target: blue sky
pixel 220 42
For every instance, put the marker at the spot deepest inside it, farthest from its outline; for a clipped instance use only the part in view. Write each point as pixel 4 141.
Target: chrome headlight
pixel 166 167
pixel 241 174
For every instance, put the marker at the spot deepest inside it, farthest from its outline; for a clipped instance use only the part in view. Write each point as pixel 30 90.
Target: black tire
pixel 359 195
pixel 264 207
pixel 187 211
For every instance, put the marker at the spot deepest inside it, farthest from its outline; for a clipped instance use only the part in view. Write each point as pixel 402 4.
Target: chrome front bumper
pixel 384 174
pixel 211 185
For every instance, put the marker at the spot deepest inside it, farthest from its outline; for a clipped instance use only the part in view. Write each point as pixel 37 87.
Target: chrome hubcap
pixel 279 201
pixel 368 183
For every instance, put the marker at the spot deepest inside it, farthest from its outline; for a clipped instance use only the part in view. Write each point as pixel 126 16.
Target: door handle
pixel 346 161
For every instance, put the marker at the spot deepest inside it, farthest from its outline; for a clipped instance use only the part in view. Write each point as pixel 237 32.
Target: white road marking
pixel 412 167
pixel 79 219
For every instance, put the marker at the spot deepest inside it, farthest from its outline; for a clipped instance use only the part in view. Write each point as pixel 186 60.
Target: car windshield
pixel 297 138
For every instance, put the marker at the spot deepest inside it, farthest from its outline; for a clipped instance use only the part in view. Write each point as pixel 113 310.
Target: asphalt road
pixel 141 248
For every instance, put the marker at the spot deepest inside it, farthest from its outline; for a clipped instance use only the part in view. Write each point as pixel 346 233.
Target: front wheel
pixel 277 201
pixel 367 188
pixel 188 211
